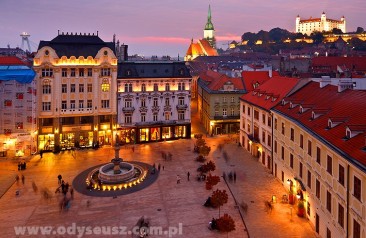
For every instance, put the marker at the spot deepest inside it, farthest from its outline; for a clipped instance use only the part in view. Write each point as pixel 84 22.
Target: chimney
pixel 324 81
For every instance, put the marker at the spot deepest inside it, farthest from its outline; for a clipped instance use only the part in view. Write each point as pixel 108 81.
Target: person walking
pixel 59 178
pixel 234 177
pixel 178 179
pixel 188 174
pixel 23 178
pixel 17 179
pixel 159 166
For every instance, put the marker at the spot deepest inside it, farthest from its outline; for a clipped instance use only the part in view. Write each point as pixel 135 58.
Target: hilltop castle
pixel 307 26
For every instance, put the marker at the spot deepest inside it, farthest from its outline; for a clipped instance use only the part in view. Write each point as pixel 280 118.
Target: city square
pixel 165 203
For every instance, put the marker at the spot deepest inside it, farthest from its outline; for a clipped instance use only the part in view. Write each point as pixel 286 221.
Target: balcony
pixel 227 117
pixel 128 109
pixel 182 107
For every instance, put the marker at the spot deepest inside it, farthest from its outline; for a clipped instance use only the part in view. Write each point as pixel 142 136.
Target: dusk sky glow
pixel 163 27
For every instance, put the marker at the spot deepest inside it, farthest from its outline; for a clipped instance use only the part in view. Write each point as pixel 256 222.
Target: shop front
pixel 153 133
pixel 17 144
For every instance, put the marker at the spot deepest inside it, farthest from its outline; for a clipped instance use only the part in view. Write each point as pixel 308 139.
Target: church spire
pixel 209 25
pixel 209 31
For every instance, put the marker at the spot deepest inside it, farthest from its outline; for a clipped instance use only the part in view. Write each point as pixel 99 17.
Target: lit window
pixel 105 85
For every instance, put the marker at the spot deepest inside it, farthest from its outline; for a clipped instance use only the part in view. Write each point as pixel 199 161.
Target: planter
pixel 291 198
pixel 301 212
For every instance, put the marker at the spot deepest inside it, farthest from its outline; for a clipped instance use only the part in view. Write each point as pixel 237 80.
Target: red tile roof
pixel 10 60
pixel 202 47
pixel 215 81
pixel 271 92
pixel 253 77
pixel 349 105
pixel 351 63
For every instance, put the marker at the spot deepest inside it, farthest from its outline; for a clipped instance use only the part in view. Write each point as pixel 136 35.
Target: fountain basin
pixel 106 174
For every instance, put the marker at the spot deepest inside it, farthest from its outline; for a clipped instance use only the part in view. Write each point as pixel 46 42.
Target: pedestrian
pixel 163 167
pixel 133 148
pixel 23 178
pixel 72 192
pixel 17 179
pixel 234 177
pixel 41 153
pixel 159 166
pixel 35 188
pixel 59 178
pixel 188 174
pixel 19 166
pixel 178 179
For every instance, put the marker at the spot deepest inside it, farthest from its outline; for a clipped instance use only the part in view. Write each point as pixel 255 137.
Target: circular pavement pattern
pixel 79 183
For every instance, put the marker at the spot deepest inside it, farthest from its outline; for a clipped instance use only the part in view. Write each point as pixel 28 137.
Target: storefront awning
pixel 303 188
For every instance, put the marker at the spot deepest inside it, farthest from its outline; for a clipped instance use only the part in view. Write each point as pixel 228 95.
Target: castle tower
pixel 209 31
pixel 297 25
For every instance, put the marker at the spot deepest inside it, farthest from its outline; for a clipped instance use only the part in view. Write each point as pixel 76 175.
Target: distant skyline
pixel 163 27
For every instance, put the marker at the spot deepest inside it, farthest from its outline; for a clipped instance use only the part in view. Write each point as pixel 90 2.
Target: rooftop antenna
pixel 25 37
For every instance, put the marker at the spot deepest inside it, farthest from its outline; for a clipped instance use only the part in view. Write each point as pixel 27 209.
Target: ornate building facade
pixel 307 26
pixel 77 82
pixel 153 101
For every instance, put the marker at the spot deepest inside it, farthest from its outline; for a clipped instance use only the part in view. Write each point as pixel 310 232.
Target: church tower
pixel 209 31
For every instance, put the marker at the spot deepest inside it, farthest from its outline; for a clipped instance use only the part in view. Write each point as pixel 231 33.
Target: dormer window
pixel 354 130
pixel 348 133
pixel 330 124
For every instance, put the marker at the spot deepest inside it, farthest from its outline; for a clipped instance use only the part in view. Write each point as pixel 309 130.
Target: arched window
pixel 105 85
pixel 46 87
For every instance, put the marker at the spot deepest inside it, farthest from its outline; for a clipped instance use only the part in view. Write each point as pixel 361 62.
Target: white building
pixel 307 26
pixel 77 85
pixel 153 101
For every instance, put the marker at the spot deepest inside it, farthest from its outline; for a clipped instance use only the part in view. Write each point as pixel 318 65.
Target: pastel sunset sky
pixel 163 27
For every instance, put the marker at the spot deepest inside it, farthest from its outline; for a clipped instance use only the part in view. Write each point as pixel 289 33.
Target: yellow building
pixel 319 155
pixel 76 83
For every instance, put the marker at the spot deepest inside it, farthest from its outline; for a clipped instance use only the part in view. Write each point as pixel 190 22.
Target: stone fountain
pixel 117 174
